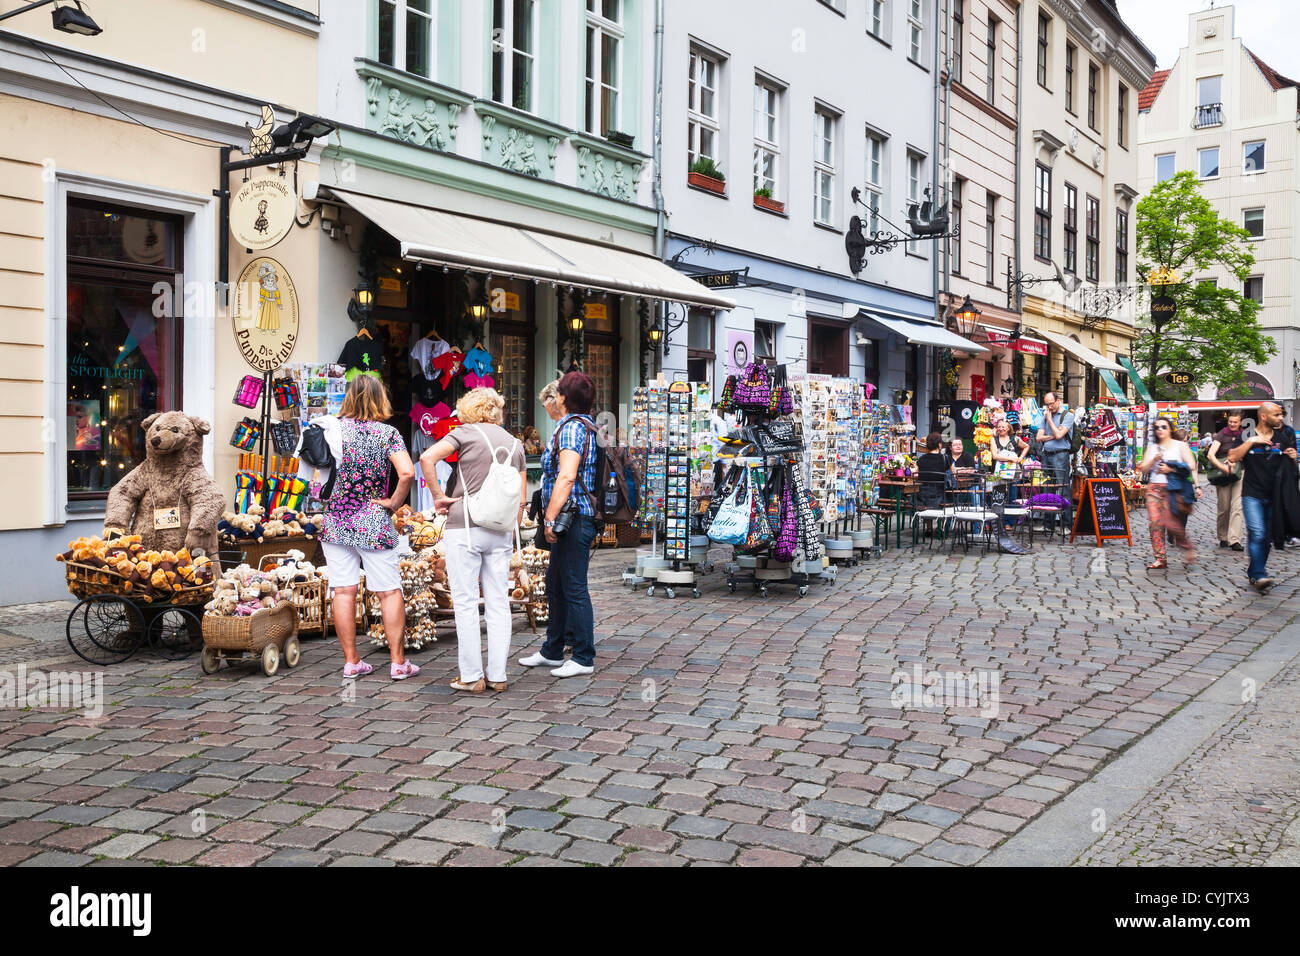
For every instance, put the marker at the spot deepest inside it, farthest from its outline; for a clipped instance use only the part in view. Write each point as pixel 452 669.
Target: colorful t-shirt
pixel 350 517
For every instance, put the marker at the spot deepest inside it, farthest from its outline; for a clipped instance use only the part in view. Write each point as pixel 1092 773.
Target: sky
pixel 1270 28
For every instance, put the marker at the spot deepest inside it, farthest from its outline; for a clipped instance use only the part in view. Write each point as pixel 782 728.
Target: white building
pixel 1225 114
pixel 825 98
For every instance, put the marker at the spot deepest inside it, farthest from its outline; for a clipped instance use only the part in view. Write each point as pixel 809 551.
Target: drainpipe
pixel 657 148
pixel 934 178
pixel 1020 112
pixel 947 137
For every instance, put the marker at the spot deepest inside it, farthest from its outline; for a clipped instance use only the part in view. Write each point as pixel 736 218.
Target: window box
pixel 707 183
pixel 626 140
pixel 771 205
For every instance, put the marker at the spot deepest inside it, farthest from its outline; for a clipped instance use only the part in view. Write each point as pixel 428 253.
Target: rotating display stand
pixel 677 495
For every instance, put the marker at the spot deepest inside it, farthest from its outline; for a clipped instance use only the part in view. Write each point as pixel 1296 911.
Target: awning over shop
pixel 1084 354
pixel 1112 383
pixel 1139 386
pixel 483 245
pixel 926 333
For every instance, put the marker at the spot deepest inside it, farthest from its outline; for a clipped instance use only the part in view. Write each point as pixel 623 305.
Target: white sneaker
pixel 571 668
pixel 537 660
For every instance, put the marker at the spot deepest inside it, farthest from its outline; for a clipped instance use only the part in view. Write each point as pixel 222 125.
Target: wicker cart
pixel 269 636
pixel 113 619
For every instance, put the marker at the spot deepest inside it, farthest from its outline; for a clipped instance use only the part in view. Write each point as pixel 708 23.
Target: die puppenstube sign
pixel 265 314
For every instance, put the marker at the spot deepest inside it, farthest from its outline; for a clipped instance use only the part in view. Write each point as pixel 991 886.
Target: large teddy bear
pixel 170 500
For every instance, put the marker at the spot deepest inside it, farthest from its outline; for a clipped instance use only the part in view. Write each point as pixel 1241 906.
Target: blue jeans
pixel 572 620
pixel 1257 512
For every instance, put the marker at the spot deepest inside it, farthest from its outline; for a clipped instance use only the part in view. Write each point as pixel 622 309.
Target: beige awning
pixel 484 245
pixel 1080 351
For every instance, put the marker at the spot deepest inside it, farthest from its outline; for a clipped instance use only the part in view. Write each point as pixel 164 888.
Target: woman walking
pixel 569 475
pixel 477 555
pixel 358 527
pixel 1171 493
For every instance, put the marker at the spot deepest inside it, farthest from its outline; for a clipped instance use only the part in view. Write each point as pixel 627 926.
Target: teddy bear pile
pixel 244 590
pixel 124 566
pixel 254 525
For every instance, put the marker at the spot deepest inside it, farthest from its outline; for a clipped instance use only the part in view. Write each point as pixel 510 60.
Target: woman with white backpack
pixel 480 531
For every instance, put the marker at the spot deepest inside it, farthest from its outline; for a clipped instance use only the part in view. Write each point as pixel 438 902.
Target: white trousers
pixel 477 556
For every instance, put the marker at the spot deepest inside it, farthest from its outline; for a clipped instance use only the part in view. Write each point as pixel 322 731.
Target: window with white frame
pixel 767 131
pixel 1092 244
pixel 514 53
pixel 704 132
pixel 954 264
pixel 958 28
pixel 1253 222
pixel 1121 247
pixel 604 65
pixel 875 179
pixel 1071 210
pixel 915 185
pixel 405 32
pixel 991 54
pixel 1253 289
pixel 824 122
pixel 1252 157
pixel 991 238
pixel 1164 167
pixel 915 29
pixel 878 19
pixel 1208 162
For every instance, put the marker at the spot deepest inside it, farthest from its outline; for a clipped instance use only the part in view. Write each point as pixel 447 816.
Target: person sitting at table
pixel 960 461
pixel 932 471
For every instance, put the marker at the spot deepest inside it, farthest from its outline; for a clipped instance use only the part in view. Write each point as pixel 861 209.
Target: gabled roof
pixel 1275 79
pixel 1148 95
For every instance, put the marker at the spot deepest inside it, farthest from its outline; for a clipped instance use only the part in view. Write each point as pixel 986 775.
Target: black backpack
pixel 611 499
pixel 315 451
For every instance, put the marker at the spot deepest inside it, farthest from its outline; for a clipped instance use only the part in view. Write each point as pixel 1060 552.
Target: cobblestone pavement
pixel 1228 804
pixel 729 729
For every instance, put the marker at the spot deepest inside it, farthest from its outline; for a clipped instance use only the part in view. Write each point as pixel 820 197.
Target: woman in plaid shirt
pixel 569 470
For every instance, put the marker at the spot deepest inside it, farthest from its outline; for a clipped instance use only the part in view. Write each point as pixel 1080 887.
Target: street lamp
pixel 575 322
pixel 479 311
pixel 655 333
pixel 66 19
pixel 965 317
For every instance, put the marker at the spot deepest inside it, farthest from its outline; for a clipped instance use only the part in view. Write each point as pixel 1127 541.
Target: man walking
pixel 1262 454
pixel 1227 482
pixel 1056 434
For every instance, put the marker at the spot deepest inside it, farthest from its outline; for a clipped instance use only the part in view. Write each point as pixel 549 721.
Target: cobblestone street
pixel 730 729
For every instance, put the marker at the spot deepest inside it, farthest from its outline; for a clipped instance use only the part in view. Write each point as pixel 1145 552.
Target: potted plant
pixel 763 199
pixel 705 174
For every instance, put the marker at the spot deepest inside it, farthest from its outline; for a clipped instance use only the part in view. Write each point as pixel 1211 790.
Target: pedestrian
pixel 1262 455
pixel 358 527
pixel 568 479
pixel 719 428
pixel 478 557
pixel 547 396
pixel 1226 479
pixel 1171 493
pixel 1057 435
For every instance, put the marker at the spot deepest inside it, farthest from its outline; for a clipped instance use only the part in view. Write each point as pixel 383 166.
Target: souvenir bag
pixel 286 394
pixel 720 494
pixel 1107 433
pixel 249 392
pixel 284 435
pixel 758 537
pixel 754 389
pixel 731 524
pixel 726 400
pixel 786 528
pixel 781 402
pixel 808 515
pixel 247 434
pixel 776 438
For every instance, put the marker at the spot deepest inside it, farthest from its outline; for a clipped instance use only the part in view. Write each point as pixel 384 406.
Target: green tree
pixel 1215 333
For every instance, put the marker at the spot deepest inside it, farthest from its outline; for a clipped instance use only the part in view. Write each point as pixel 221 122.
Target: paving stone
pixel 294 858
pixel 707 850
pixel 421 852
pixel 126 845
pixel 137 820
pixel 587 851
pixel 536 841
pixel 461 831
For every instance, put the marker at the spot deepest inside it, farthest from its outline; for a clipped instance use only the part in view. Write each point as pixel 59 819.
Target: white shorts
pixel 383 573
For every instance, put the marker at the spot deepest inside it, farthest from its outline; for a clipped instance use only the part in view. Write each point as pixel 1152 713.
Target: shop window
pixel 405 31
pixel 700 351
pixel 514 53
pixel 604 65
pixel 123 361
pixel 828 349
pixel 511 338
pixel 765 342
pixel 600 334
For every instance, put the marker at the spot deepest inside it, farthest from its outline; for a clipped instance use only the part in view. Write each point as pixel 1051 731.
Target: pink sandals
pixel 359 669
pixel 402 671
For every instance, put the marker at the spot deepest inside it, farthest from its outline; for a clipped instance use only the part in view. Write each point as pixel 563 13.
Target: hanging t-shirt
pixel 478 360
pixel 428 391
pixel 448 366
pixel 425 351
pixel 363 354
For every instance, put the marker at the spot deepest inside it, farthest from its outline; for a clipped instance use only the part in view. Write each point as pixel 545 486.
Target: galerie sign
pixel 265 314
pixel 262 212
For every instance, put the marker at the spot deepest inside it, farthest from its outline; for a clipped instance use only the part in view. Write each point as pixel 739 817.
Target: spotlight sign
pixel 265 314
pixel 262 212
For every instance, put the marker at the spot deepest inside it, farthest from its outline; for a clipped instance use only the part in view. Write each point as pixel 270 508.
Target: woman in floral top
pixel 358 527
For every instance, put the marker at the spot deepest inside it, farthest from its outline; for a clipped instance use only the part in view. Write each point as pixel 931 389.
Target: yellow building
pixel 110 242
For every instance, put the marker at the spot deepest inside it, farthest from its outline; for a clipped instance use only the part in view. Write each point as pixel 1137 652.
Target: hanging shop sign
pixel 595 310
pixel 1026 345
pixel 1179 379
pixel 740 350
pixel 262 212
pixel 722 280
pixel 265 314
pixel 1164 308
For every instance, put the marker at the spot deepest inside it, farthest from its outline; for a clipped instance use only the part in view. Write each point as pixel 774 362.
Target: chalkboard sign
pixel 1102 513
